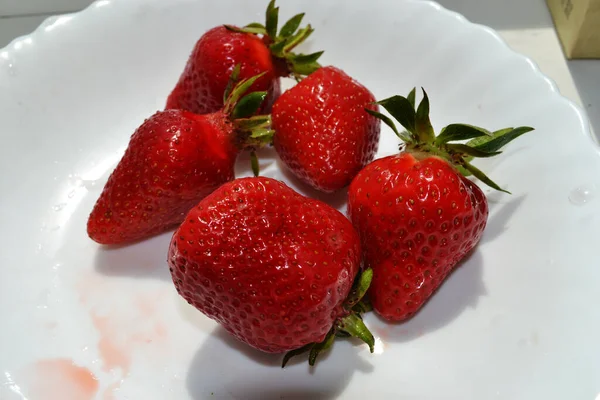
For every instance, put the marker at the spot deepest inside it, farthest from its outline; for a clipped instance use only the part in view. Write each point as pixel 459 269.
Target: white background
pixel 525 25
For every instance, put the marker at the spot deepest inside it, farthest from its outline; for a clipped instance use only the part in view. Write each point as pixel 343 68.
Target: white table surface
pixel 526 25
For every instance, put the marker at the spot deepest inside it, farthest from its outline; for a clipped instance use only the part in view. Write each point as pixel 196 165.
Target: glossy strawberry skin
pixel 174 159
pixel 323 134
pixel 272 266
pixel 201 85
pixel 417 218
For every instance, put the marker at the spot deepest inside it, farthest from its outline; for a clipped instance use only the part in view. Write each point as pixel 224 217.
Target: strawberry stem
pixel 254 163
pixel 355 327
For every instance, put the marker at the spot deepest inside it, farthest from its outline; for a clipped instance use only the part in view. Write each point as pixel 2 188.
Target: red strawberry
pixel 416 214
pixel 322 132
pixel 273 267
pixel 174 159
pixel 202 84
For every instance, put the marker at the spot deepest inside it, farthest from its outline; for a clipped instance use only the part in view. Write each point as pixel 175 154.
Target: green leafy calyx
pixel 419 135
pixel 283 41
pixel 349 325
pixel 253 131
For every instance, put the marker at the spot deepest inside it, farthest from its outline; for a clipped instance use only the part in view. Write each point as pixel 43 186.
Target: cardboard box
pixel 578 26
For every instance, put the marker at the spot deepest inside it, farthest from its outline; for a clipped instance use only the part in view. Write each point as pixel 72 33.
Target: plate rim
pixel 583 121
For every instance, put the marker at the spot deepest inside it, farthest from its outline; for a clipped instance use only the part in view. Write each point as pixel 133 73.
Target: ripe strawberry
pixel 273 267
pixel 322 132
pixel 174 159
pixel 416 214
pixel 201 85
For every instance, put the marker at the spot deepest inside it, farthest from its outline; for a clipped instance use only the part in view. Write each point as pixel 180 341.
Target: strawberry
pixel 201 85
pixel 174 159
pixel 273 267
pixel 322 132
pixel 416 213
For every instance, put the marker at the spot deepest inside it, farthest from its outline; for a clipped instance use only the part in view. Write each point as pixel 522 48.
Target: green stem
pixel 254 163
pixel 292 353
pixel 320 347
pixel 355 326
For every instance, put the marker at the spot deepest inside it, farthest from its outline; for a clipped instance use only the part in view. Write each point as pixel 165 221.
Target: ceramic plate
pixel 517 320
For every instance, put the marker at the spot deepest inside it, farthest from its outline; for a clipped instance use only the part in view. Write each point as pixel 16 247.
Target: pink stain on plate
pixel 115 353
pixel 123 331
pixel 61 379
pixel 51 325
pixel 110 392
pixel 160 330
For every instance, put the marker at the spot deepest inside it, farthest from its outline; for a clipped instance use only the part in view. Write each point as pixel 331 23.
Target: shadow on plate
pixel 227 368
pixel 144 259
pixel 461 290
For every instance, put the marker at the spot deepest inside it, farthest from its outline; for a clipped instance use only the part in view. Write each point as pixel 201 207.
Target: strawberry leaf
pixel 237 92
pixel 301 70
pixel 455 132
pixel 471 151
pixel 411 97
pixel 388 121
pixel 248 105
pixel 298 38
pixel 234 28
pixel 463 171
pixel 257 121
pixel 363 306
pixel 305 64
pixel 233 78
pixel 482 177
pixel 421 137
pixel 292 353
pixel 252 129
pixel 499 139
pixel 320 347
pixel 247 29
pixel 282 45
pixel 422 121
pixel 291 25
pixel 305 58
pixel 272 19
pixel 261 133
pixel 256 25
pixel 277 49
pixel 401 109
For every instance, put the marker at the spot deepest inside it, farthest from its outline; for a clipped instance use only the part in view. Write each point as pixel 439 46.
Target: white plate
pixel 517 321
